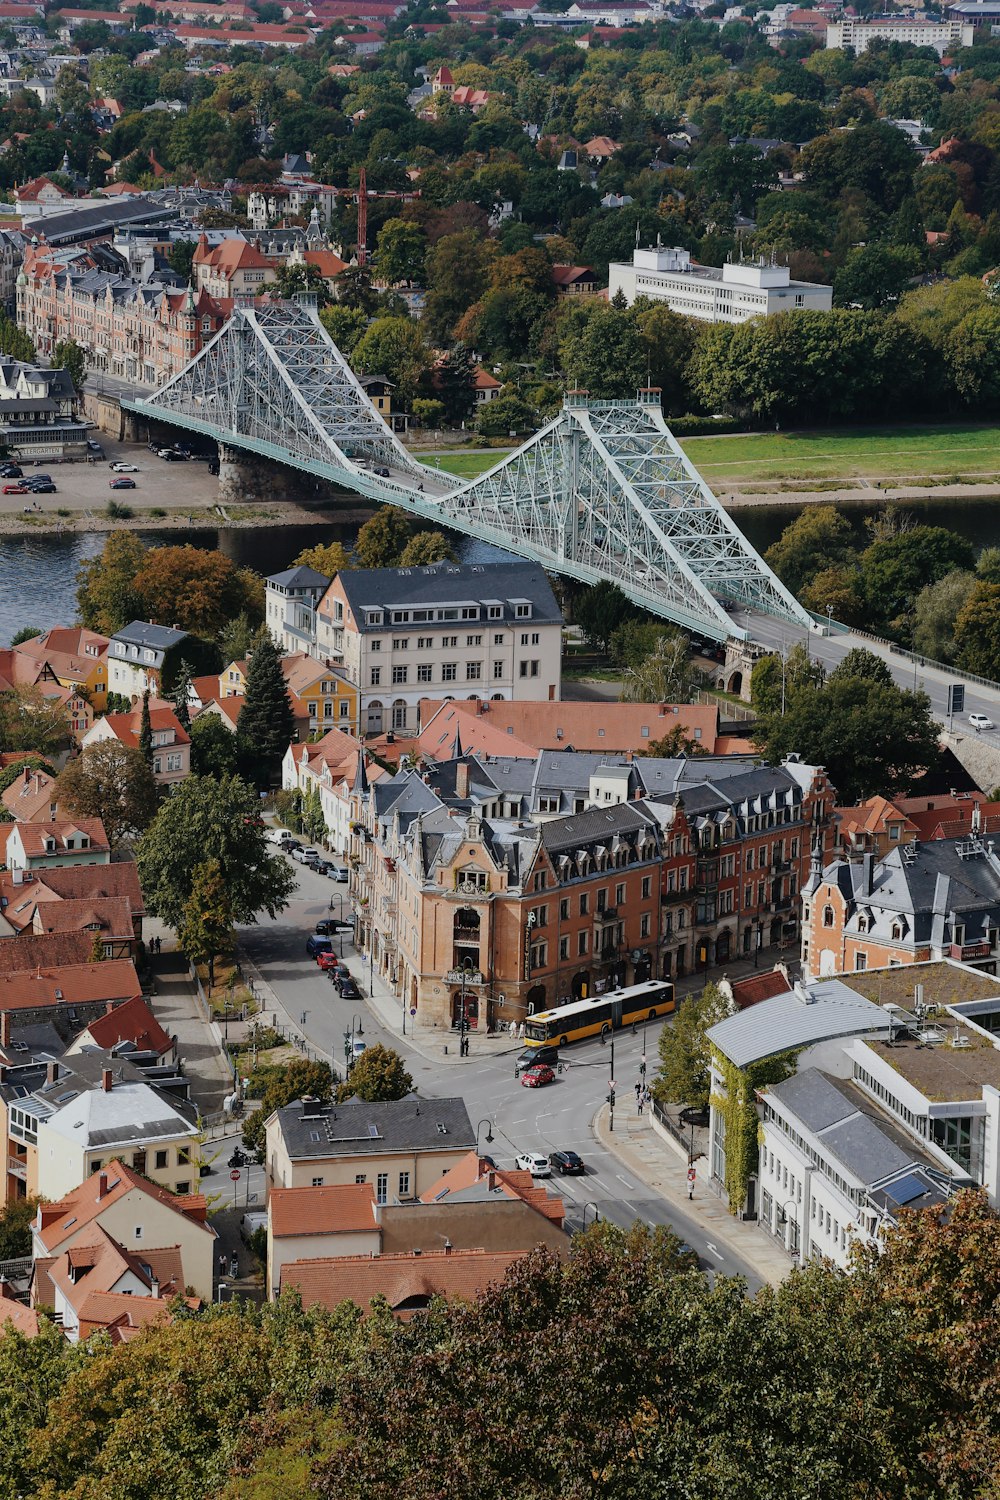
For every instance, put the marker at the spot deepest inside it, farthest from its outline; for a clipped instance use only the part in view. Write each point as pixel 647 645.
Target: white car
pixel 535 1163
pixel 124 468
pixel 980 721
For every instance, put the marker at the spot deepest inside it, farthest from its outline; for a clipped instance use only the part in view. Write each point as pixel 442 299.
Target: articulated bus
pixel 601 1015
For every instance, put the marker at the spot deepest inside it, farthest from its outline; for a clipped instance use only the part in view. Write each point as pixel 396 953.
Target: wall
pixel 280 1252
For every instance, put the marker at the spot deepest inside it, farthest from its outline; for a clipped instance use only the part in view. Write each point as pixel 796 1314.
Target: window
pixel 401 643
pixel 620 895
pixel 182 1188
pixel 473 671
pixel 581 943
pixel 375 645
pixel 564 910
pixel 404 1184
pixel 645 888
pixel 345 709
pixel 317 1182
pixel 449 671
pixel 424 642
pixel 425 672
pixel 524 639
pixel 449 640
pixel 161 1160
pixel 564 947
pixel 399 716
pixel 539 955
pixel 541 880
pixel 828 916
pixel 399 674
pixel 498 640
pixel 382 1187
pixel 376 676
pixel 584 903
pixel 497 669
pixel 473 640
pixel 175 762
pixel 644 925
pixel 360 1178
pixel 860 962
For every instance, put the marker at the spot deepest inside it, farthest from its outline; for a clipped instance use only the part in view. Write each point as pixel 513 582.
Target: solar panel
pixel 906 1189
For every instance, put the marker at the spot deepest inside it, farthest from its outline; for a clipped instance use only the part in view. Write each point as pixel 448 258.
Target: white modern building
pixel 732 293
pixel 137 655
pixel 859 34
pixel 441 631
pixel 290 601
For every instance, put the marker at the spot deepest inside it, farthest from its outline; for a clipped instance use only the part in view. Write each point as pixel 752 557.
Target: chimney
pixel 5 1028
pixel 109 1006
pixel 52 1072
pixel 447 1247
pixel 867 874
pixel 491 1182
pixel 462 780
pixel 106 1080
pixel 311 1107
pixel 154 1286
pixel 418 1252
pixel 102 1186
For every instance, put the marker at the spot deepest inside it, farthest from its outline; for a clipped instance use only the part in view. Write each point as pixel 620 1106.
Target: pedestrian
pixel 638 1092
pixel 222 1264
pixel 234 1267
pixel 640 1101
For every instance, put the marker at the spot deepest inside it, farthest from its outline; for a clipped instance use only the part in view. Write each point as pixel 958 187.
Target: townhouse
pixel 291 599
pixel 334 767
pixel 75 657
pixel 171 753
pixel 141 658
pixel 403 634
pixel 41 846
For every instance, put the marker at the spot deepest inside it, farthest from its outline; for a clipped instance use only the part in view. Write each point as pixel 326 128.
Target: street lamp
pixel 489 1132
pixel 597 1215
pixel 611 1083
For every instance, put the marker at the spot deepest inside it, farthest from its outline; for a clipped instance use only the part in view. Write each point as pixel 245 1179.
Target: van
pixel 316 943
pixel 532 1055
pixel 278 836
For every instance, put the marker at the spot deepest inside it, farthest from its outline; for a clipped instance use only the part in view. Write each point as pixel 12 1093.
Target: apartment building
pixel 138 654
pixel 291 599
pixel 919 902
pixel 233 268
pixel 171 761
pixel 732 293
pixel 943 36
pixel 442 631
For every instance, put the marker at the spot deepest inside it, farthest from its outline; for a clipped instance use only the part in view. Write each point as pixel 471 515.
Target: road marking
pixel 629 1185
pixel 714 1248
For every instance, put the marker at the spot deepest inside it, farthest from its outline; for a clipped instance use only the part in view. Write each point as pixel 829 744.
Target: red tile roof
pixel 111 916
pixel 131 1022
pixel 33 836
pixel 472 1169
pixel 127 727
pixel 62 1220
pixel 524 728
pixel 757 987
pixel 346 1209
pixel 14 1314
pixel 29 952
pixel 70 984
pixel 407 1282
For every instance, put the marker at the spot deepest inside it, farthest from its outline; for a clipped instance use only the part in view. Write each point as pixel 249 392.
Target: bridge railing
pixel 915 656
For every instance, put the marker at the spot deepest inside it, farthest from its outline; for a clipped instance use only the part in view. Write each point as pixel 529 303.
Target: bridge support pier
pixel 243 476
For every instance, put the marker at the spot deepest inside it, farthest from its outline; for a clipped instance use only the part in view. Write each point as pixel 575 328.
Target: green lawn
pixel 898 452
pixel 468 465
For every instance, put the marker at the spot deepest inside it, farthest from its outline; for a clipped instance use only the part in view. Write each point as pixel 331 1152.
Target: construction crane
pixel 362 218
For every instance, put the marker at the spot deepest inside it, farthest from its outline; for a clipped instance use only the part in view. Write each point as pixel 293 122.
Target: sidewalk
pixel 176 1007
pixel 438 1044
pixel 662 1166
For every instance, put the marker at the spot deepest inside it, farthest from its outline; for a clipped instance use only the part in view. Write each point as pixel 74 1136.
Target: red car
pixel 17 488
pixel 328 960
pixel 536 1077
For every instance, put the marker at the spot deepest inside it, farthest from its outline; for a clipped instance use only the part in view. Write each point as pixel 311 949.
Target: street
pixel 556 1117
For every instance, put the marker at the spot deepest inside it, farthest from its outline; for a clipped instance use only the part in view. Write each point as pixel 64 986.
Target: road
pixel 519 1119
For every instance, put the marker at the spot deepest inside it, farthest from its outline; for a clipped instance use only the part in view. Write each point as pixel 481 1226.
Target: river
pixel 38 572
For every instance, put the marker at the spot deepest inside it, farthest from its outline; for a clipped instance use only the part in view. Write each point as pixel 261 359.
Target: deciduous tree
pixel 381 540
pixel 206 928
pixel 666 676
pixel 328 558
pixel 113 782
pixel 214 748
pixel 67 355
pixel 427 547
pixel 818 539
pixel 106 592
pixel 195 589
pixel 277 1086
pixel 379 1073
pixel 683 1076
pixel 31 721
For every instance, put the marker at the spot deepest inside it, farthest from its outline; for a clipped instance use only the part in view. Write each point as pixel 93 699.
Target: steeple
pixel 360 787
pixel 815 865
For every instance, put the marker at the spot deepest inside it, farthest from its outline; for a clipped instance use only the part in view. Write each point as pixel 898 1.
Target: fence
pixel 682 1136
pixel 914 656
pixel 738 713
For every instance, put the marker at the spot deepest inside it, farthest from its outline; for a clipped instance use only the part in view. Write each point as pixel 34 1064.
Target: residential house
pixel 574 281
pixel 872 827
pixel 291 599
pixel 485 387
pixel 327 695
pixel 23 891
pixel 940 35
pixel 128 1030
pixel 43 845
pixel 104 919
pixel 732 293
pixel 76 658
pixel 379 389
pixel 920 901
pixel 332 766
pixel 505 727
pixel 318 1223
pixel 232 269
pixel 409 1283
pixel 141 656
pixel 134 1212
pixel 100 1284
pixel 171 761
pixel 39 196
pixel 403 634
pixel 401 1146
pixel 32 798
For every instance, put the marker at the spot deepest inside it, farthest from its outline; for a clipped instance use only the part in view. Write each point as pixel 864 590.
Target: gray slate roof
pixel 299 578
pixel 596 823
pixel 356 1128
pixel 447 584
pixel 78 223
pixel 787 1022
pixel 156 637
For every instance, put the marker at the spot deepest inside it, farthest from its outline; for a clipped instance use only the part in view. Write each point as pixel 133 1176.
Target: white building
pixel 290 602
pixel 136 657
pixel 717 294
pixel 442 631
pixel 943 36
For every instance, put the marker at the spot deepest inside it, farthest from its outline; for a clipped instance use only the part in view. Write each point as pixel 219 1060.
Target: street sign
pixel 611 1085
pixel 692 1174
pixel 413 1010
pixel 234 1175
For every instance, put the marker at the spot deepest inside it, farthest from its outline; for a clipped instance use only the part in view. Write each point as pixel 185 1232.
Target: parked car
pixel 334 924
pixel 307 856
pixel 38 479
pixel 322 867
pixel 981 721
pixel 532 1055
pixel 348 989
pixel 10 471
pixel 172 456
pixel 537 1077
pixel 279 836
pixel 17 488
pixel 316 944
pixel 93 446
pixel 533 1162
pixel 567 1163
pixel 41 487
pixel 329 960
pixel 122 484
pixel 123 468
pixel 337 872
pixel 290 845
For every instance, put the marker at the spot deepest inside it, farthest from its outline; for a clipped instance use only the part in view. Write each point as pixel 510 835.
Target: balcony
pixel 466 935
pixel 964 951
pixel 17 1166
pixel 609 914
pixel 780 866
pixel 671 898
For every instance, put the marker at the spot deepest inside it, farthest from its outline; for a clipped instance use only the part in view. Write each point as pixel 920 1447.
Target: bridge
pixel 603 491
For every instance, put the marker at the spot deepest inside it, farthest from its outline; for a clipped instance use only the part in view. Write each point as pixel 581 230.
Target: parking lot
pixel 84 488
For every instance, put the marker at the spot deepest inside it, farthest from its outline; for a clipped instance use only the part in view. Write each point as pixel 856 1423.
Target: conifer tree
pixel 146 730
pixel 266 721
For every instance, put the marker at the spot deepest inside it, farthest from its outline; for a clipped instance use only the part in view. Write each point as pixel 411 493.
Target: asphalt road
pixel 520 1119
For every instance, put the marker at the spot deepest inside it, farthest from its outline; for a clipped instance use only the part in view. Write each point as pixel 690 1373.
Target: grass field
pixel 905 454
pixel 468 465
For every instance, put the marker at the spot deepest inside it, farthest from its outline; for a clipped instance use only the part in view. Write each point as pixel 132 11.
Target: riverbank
pixel 864 492
pixel 60 521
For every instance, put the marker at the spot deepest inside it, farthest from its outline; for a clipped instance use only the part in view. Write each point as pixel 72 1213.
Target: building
pixel 324 694
pixel 40 846
pixel 22 892
pixel 32 798
pixel 574 281
pixel 919 902
pixel 171 743
pixel 732 293
pixel 976 13
pixel 400 1147
pixel 379 389
pixel 134 1212
pixel 232 268
pixel 128 1030
pixel 334 766
pixel 489 727
pixel 486 387
pixel 291 599
pixel 100 1286
pixel 74 657
pixel 409 1283
pixel 943 36
pixel 38 413
pixel 403 634
pixel 141 657
pixel 12 247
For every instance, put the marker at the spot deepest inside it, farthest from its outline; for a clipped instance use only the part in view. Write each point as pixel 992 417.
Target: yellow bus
pixel 600 1015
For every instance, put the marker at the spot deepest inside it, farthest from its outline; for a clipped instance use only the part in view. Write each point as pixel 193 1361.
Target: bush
pixel 703 426
pixel 119 512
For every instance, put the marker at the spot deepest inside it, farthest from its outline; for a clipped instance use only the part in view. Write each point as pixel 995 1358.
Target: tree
pixel 146 731
pixel 600 610
pixel 666 676
pixel 294 279
pixel 345 325
pixel 775 678
pixel 16 1217
pixel 279 1086
pixel 328 558
pixel 425 548
pixel 977 631
pixel 381 541
pixel 26 633
pixel 392 347
pixel 876 275
pixel 818 538
pixel 106 592
pixel 504 415
pixel 195 589
pixel 207 923
pixel 894 571
pixel 453 384
pixel 399 252
pixel 98 952
pixel 237 636
pixel 266 721
pixel 180 696
pixel 214 747
pixel 935 612
pixel 31 721
pixel 67 355
pixel 181 258
pixel 684 1074
pixel 209 819
pixel 457 272
pixel 113 782
pixel 378 1074
pixel 601 349
pixel 674 743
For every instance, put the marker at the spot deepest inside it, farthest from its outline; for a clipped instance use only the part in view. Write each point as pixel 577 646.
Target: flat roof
pixel 942 1072
pixel 945 982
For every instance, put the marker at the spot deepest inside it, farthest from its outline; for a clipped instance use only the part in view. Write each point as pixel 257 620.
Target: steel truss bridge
pixel 603 491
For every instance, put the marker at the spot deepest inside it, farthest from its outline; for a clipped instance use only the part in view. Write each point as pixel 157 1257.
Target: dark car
pixel 567 1163
pixel 348 989
pixel 322 867
pixel 10 471
pixel 290 846
pixel 333 924
pixel 121 483
pixel 316 944
pixel 41 487
pixel 532 1055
